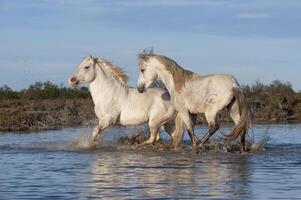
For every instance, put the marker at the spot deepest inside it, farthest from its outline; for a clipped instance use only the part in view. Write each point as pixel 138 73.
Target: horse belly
pixel 195 102
pixel 134 116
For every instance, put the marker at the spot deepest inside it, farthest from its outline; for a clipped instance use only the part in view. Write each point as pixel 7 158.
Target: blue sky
pixel 253 40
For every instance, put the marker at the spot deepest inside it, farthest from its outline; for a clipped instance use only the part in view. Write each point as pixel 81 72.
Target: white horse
pixel 116 103
pixel 192 93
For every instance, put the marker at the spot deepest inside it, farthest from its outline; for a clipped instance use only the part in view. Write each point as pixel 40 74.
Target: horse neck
pixel 106 88
pixel 167 80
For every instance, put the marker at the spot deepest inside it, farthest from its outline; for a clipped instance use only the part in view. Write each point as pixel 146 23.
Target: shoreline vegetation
pixel 46 106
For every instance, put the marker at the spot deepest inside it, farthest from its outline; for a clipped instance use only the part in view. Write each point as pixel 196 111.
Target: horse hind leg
pixel 235 116
pixel 170 128
pixel 212 125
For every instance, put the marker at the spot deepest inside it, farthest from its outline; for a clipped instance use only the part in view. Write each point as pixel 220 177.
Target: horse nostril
pixel 73 79
pixel 141 89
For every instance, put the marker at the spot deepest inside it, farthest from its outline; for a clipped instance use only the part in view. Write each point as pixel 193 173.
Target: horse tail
pixel 175 128
pixel 245 115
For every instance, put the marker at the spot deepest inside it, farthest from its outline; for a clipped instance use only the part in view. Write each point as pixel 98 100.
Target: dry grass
pixel 23 115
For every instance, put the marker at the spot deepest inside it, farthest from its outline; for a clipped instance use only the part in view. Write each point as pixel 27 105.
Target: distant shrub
pixel 274 101
pixel 44 90
pixel 7 93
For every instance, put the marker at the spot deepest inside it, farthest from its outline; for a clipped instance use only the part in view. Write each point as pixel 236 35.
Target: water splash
pixel 261 143
pixel 83 143
pixel 119 137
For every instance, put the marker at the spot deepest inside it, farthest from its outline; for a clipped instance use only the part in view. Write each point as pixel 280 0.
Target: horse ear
pixel 95 60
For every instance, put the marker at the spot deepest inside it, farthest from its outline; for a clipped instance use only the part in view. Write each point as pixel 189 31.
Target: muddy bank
pixel 44 105
pixel 28 115
pixel 46 114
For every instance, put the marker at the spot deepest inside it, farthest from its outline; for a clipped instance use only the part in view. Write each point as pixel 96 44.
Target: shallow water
pixel 61 165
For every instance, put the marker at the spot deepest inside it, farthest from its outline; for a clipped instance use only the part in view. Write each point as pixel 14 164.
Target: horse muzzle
pixel 73 81
pixel 141 89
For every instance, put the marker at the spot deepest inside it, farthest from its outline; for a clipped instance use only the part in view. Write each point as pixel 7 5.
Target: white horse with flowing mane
pixel 117 103
pixel 192 93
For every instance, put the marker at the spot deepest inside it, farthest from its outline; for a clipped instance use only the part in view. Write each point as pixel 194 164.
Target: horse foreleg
pixel 153 136
pixel 186 117
pixel 145 143
pixel 98 130
pixel 95 132
pixel 177 132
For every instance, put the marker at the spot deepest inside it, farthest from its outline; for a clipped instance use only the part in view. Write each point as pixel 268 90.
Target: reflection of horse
pixel 116 103
pixel 192 94
pixel 130 175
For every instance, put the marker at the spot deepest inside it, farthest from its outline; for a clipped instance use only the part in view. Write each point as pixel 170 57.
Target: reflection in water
pixel 59 165
pixel 149 174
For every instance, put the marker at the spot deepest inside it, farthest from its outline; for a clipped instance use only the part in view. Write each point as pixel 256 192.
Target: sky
pixel 253 40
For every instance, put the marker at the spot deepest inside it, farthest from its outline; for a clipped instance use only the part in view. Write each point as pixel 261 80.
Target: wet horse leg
pixel 186 117
pixel 213 127
pixel 154 131
pixel 235 115
pixel 243 142
pixel 98 130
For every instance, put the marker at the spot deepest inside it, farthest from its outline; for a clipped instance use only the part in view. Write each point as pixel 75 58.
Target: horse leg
pixel 243 142
pixel 158 136
pixel 154 130
pixel 186 117
pixel 175 128
pixel 235 116
pixel 98 130
pixel 212 124
pixel 179 132
pixel 169 127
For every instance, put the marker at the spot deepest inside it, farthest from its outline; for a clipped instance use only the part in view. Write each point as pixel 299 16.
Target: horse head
pixel 85 73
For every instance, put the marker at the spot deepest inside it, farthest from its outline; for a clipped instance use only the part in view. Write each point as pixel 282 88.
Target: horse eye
pixel 142 70
pixel 87 67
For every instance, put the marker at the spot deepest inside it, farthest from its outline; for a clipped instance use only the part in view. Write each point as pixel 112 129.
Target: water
pixel 58 165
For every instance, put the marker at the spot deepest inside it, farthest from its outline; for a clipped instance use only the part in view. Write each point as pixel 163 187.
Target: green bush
pixel 274 101
pixel 44 90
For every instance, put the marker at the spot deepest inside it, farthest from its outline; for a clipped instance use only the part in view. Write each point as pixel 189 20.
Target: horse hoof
pixel 195 149
pixel 202 146
pixel 243 152
pixel 143 144
pixel 176 148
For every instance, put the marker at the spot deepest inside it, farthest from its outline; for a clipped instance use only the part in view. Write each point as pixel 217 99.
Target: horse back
pixel 209 92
